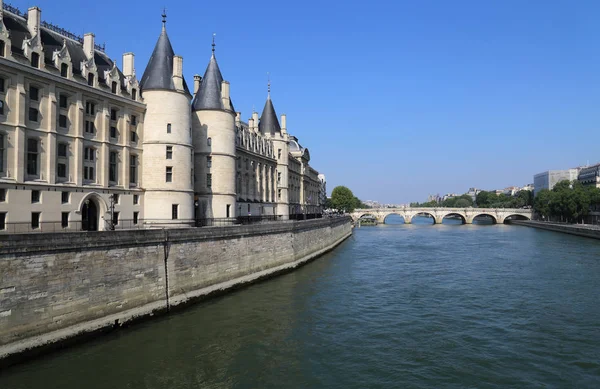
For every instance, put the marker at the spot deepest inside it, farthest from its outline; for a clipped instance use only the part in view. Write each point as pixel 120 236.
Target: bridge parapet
pixel 438 214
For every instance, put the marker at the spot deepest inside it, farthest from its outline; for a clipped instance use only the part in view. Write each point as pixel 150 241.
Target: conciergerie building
pixel 86 145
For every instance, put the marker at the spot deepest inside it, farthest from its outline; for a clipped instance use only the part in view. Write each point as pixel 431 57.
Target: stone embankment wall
pixel 56 286
pixel 589 231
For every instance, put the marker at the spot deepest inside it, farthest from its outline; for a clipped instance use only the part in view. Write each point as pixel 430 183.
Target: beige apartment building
pixel 85 145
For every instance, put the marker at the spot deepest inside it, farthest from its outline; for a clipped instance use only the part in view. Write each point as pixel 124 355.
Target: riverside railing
pixel 133 224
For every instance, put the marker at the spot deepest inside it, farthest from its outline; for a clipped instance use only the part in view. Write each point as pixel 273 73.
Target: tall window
pixel 90 79
pixel 35 220
pixel 113 114
pixel 64 70
pixel 35 196
pixel 208 141
pixel 208 180
pixel 2 153
pixel 2 220
pixel 2 195
pixel 174 209
pixel 134 94
pixel 64 223
pixel 113 87
pixel 90 112
pixel 169 174
pixel 2 46
pixel 64 197
pixel 33 114
pixel 168 128
pixel 34 93
pixel 63 101
pixel 112 166
pixel 89 163
pixel 208 161
pixel 62 160
pixel 32 157
pixel 133 169
pixel 169 152
pixel 35 60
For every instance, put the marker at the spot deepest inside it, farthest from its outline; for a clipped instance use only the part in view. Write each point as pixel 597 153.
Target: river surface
pixel 395 306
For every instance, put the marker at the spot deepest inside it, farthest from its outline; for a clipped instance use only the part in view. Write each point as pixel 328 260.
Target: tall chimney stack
pixel 197 81
pixel 34 17
pixel 88 45
pixel 128 65
pixel 178 71
pixel 225 94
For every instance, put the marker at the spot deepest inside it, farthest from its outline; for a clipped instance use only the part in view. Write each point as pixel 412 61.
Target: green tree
pixel 343 199
pixel 542 202
pixel 483 199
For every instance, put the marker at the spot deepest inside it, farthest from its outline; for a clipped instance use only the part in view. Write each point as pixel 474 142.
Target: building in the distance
pixel 590 175
pixel 86 145
pixel 548 179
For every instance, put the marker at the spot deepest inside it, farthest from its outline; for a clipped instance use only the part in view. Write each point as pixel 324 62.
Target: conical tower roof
pixel 269 124
pixel 159 71
pixel 209 93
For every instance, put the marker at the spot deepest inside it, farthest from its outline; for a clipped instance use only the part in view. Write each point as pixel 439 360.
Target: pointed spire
pixel 159 71
pixel 269 124
pixel 268 86
pixel 213 44
pixel 209 94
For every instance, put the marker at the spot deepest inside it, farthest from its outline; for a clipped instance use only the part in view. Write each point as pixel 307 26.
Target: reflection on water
pixel 402 306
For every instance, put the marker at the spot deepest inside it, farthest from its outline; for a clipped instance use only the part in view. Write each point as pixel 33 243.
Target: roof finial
pixel 164 16
pixel 213 44
pixel 268 85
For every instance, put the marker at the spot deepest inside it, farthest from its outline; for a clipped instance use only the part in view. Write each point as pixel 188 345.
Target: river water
pixel 395 306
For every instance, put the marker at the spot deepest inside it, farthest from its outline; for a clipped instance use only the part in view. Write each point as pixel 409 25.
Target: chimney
pixel 238 115
pixel 283 123
pixel 225 94
pixel 34 16
pixel 128 65
pixel 178 72
pixel 88 45
pixel 197 82
pixel 255 120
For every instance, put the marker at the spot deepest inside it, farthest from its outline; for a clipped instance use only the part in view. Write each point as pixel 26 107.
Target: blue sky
pixel 394 99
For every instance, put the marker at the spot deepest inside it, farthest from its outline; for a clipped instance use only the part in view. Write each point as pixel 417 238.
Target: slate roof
pixel 159 71
pixel 268 120
pixel 209 93
pixel 53 41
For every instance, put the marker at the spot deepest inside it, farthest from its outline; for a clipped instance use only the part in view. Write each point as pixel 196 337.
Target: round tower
pixel 167 161
pixel 269 127
pixel 213 123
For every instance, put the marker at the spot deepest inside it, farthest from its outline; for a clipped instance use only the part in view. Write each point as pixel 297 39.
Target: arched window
pixel 209 142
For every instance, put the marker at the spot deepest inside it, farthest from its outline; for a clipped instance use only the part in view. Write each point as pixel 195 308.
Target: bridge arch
pixel 515 216
pixel 423 213
pixel 384 217
pixel 486 214
pixel 463 218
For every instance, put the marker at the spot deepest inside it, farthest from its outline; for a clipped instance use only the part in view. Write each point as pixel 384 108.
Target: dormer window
pixel 64 70
pixel 113 87
pixel 2 47
pixel 90 79
pixel 134 94
pixel 35 60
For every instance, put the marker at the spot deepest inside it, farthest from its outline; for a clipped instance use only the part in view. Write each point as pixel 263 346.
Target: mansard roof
pixel 53 41
pixel 159 71
pixel 209 93
pixel 268 120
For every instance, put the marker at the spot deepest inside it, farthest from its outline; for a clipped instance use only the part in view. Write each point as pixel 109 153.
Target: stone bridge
pixel 438 214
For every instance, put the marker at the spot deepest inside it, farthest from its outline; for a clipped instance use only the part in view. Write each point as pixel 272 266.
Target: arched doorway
pixel 89 215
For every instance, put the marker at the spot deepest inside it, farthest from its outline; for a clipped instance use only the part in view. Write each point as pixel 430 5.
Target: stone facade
pixel 54 286
pixel 85 145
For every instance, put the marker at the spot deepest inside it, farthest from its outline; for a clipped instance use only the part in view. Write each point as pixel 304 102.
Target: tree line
pixel 567 202
pixel 484 199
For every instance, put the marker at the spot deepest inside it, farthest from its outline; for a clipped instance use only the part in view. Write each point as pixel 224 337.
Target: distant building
pixel 323 189
pixel 548 179
pixel 511 190
pixel 473 192
pixel 590 175
pixel 527 187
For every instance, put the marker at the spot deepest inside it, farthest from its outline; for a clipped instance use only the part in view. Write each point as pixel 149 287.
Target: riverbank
pixel 56 288
pixel 585 230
